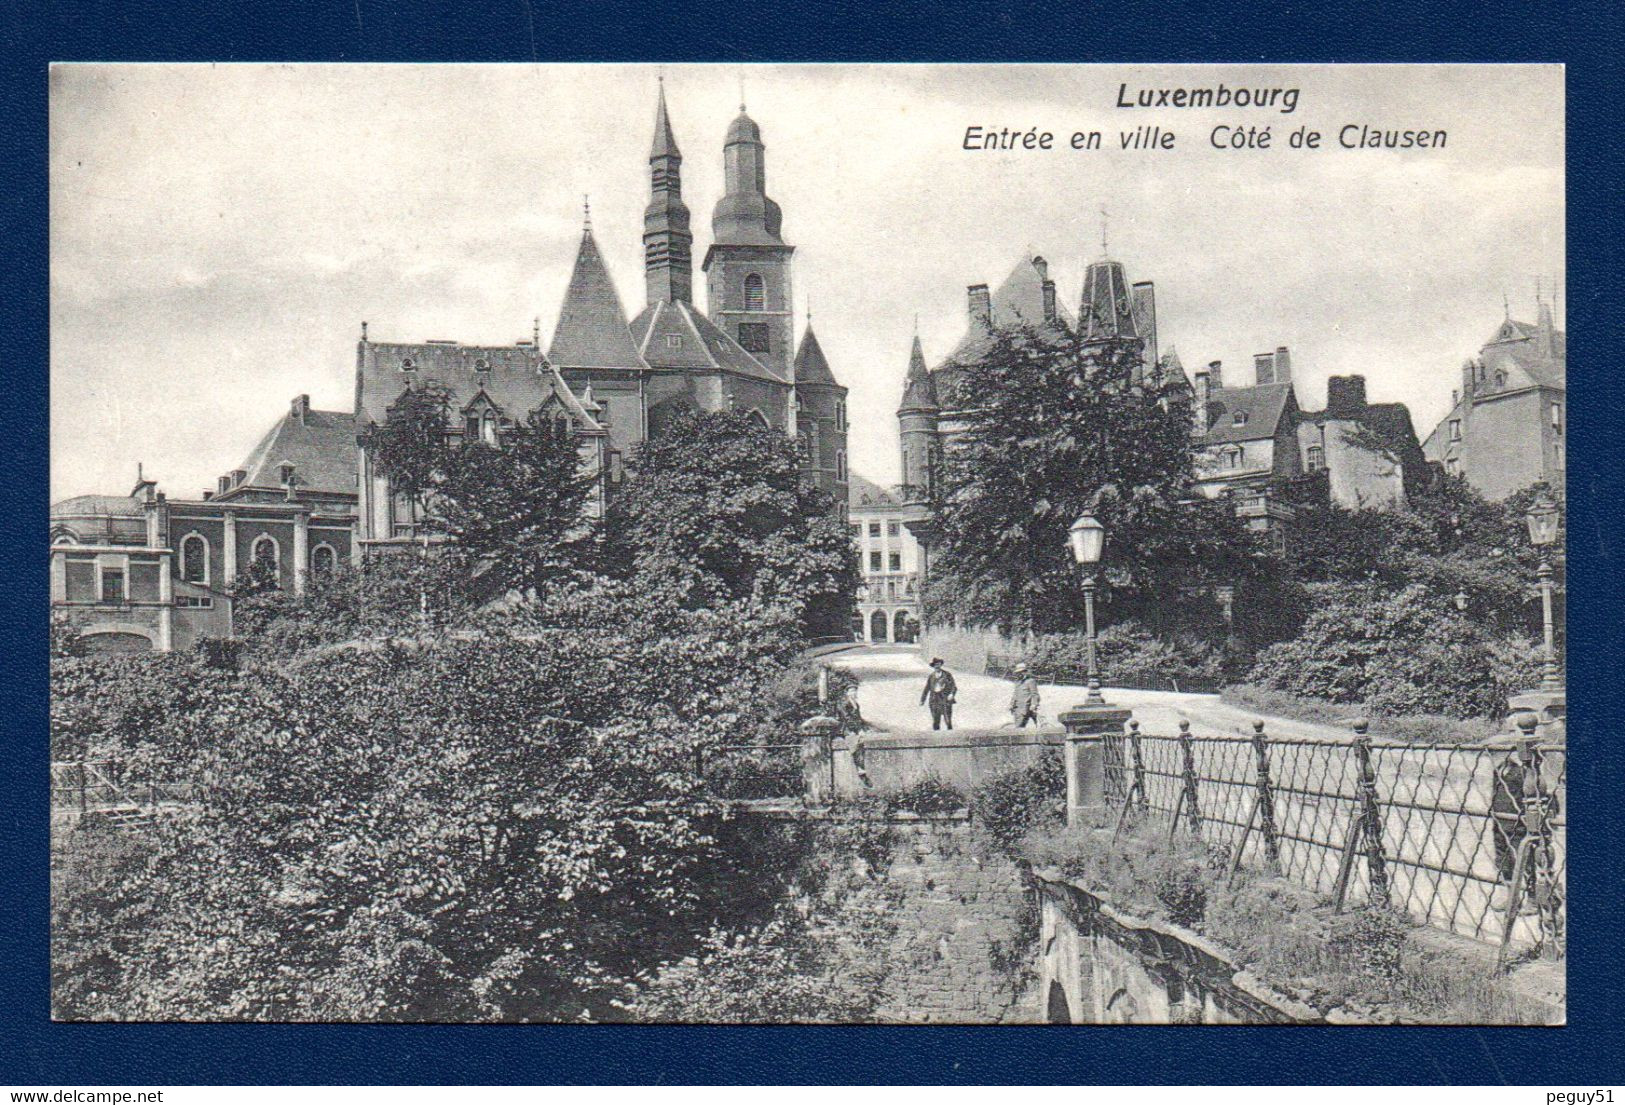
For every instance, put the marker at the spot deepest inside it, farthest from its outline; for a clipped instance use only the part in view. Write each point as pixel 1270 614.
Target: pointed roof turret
pixel 919 390
pixel 1107 311
pixel 592 330
pixel 665 143
pixel 811 367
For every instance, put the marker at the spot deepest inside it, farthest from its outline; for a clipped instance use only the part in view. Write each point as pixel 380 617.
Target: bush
pixel 927 797
pixel 1010 806
pixel 1394 653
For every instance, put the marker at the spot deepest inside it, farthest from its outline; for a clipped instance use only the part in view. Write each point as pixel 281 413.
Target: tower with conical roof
pixel 668 246
pixel 747 267
pixel 821 418
pixel 917 423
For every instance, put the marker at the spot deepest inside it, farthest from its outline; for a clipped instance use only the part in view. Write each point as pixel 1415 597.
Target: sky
pixel 218 233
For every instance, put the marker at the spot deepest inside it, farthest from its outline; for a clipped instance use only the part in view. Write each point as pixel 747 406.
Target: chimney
pixel 1049 301
pixel 207 495
pixel 1215 375
pixel 1042 266
pixel 981 305
pixel 238 475
pixel 1264 366
pixel 1145 319
pixel 1467 379
pixel 301 407
pixel 1455 398
pixel 1345 396
pixel 1201 385
pixel 1283 365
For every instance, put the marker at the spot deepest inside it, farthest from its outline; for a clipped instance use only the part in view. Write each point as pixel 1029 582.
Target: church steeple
pixel 919 391
pixel 747 268
pixel 668 247
pixel 917 425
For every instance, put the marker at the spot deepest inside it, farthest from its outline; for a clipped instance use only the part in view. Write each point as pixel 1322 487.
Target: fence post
pixel 818 759
pixel 1266 798
pixel 1187 756
pixel 1139 765
pixel 1370 816
pixel 84 788
pixel 1538 830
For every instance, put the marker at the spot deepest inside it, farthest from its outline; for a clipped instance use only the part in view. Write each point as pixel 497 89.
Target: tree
pixel 1054 427
pixel 717 511
pixel 411 448
pixel 518 507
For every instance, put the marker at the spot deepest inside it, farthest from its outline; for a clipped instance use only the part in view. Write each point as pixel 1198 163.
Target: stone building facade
pixel 1507 423
pixel 890 563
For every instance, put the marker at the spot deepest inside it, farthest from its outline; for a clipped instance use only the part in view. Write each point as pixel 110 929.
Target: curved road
pixel 891 678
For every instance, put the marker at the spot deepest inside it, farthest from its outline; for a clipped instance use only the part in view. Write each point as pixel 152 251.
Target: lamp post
pixel 1087 537
pixel 1089 724
pixel 1542 520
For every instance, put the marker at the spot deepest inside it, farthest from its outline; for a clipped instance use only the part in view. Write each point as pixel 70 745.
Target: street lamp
pixel 1461 601
pixel 1087 537
pixel 1542 520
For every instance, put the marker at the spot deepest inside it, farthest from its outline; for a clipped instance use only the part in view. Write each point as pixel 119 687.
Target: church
pixel 143 572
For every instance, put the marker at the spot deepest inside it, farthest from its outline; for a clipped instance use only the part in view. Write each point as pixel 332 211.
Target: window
pixel 1557 417
pixel 1239 418
pixel 674 341
pixel 759 418
pixel 63 538
pixel 471 428
pixel 753 337
pixel 1455 429
pixel 408 365
pixel 1452 466
pixel 894 562
pixel 874 562
pixel 113 585
pixel 755 293
pixel 195 558
pixel 488 428
pixel 322 559
pixel 195 602
pixel 285 474
pixel 874 529
pixel 603 413
pixel 840 414
pixel 1232 458
pixel 267 556
pixel 1317 458
pixel 891 529
pixel 840 467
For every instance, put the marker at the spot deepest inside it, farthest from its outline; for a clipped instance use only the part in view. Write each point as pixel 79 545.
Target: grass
pixel 1372 963
pixel 1420 728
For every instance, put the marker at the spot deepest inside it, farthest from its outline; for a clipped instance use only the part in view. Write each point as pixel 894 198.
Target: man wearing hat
pixel 1024 701
pixel 939 694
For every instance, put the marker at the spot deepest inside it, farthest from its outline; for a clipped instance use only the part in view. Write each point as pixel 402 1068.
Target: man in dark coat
pixel 939 695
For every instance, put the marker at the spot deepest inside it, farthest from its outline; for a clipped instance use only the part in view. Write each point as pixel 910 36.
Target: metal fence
pixel 1468 838
pixel 85 787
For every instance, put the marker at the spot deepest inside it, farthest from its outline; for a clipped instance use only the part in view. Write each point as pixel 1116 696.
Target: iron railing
pixel 1468 838
pixel 101 786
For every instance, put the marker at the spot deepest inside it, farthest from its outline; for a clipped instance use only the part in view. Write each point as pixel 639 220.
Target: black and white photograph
pixel 990 544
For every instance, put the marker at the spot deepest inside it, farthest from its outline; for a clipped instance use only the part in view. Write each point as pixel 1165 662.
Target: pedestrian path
pixel 892 677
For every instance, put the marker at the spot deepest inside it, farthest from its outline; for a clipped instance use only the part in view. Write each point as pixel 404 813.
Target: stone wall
pixel 878 763
pixel 963 949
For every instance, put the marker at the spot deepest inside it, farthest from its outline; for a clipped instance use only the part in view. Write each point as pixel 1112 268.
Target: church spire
pixel 919 390
pixel 668 247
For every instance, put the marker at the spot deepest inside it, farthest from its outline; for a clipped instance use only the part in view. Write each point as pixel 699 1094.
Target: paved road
pixel 891 678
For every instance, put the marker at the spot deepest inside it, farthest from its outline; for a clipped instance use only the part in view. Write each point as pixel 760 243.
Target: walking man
pixel 939 695
pixel 1024 700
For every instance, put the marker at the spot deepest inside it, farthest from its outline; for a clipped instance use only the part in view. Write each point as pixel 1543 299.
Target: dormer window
pixel 674 341
pixel 408 365
pixel 285 474
pixel 1239 419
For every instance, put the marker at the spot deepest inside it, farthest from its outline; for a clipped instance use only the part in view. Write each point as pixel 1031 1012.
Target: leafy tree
pixel 411 447
pixel 1054 427
pixel 717 511
pixel 519 508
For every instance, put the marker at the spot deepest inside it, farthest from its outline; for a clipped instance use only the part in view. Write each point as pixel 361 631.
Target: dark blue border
pixel 1583 35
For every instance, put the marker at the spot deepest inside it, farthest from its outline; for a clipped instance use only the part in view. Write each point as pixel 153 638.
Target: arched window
pixel 755 293
pixel 1317 458
pixel 268 554
pixel 488 428
pixel 322 559
pixel 195 558
pixel 840 466
pixel 63 537
pixel 877 627
pixel 759 418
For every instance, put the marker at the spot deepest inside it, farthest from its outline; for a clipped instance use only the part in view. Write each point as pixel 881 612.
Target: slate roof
pixel 592 330
pixel 1019 301
pixel 117 506
pixel 321 447
pixel 863 493
pixel 810 366
pixel 516 379
pixel 1107 310
pixel 1519 349
pixel 1173 370
pixel 1263 404
pixel 702 346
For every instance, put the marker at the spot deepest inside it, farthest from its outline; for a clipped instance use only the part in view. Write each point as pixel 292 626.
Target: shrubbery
pixel 1011 805
pixel 1404 652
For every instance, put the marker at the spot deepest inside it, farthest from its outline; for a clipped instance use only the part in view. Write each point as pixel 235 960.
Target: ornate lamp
pixel 1087 538
pixel 1541 518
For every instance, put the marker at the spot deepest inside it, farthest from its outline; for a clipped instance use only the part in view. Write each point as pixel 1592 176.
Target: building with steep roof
pixel 140 571
pixel 1507 422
